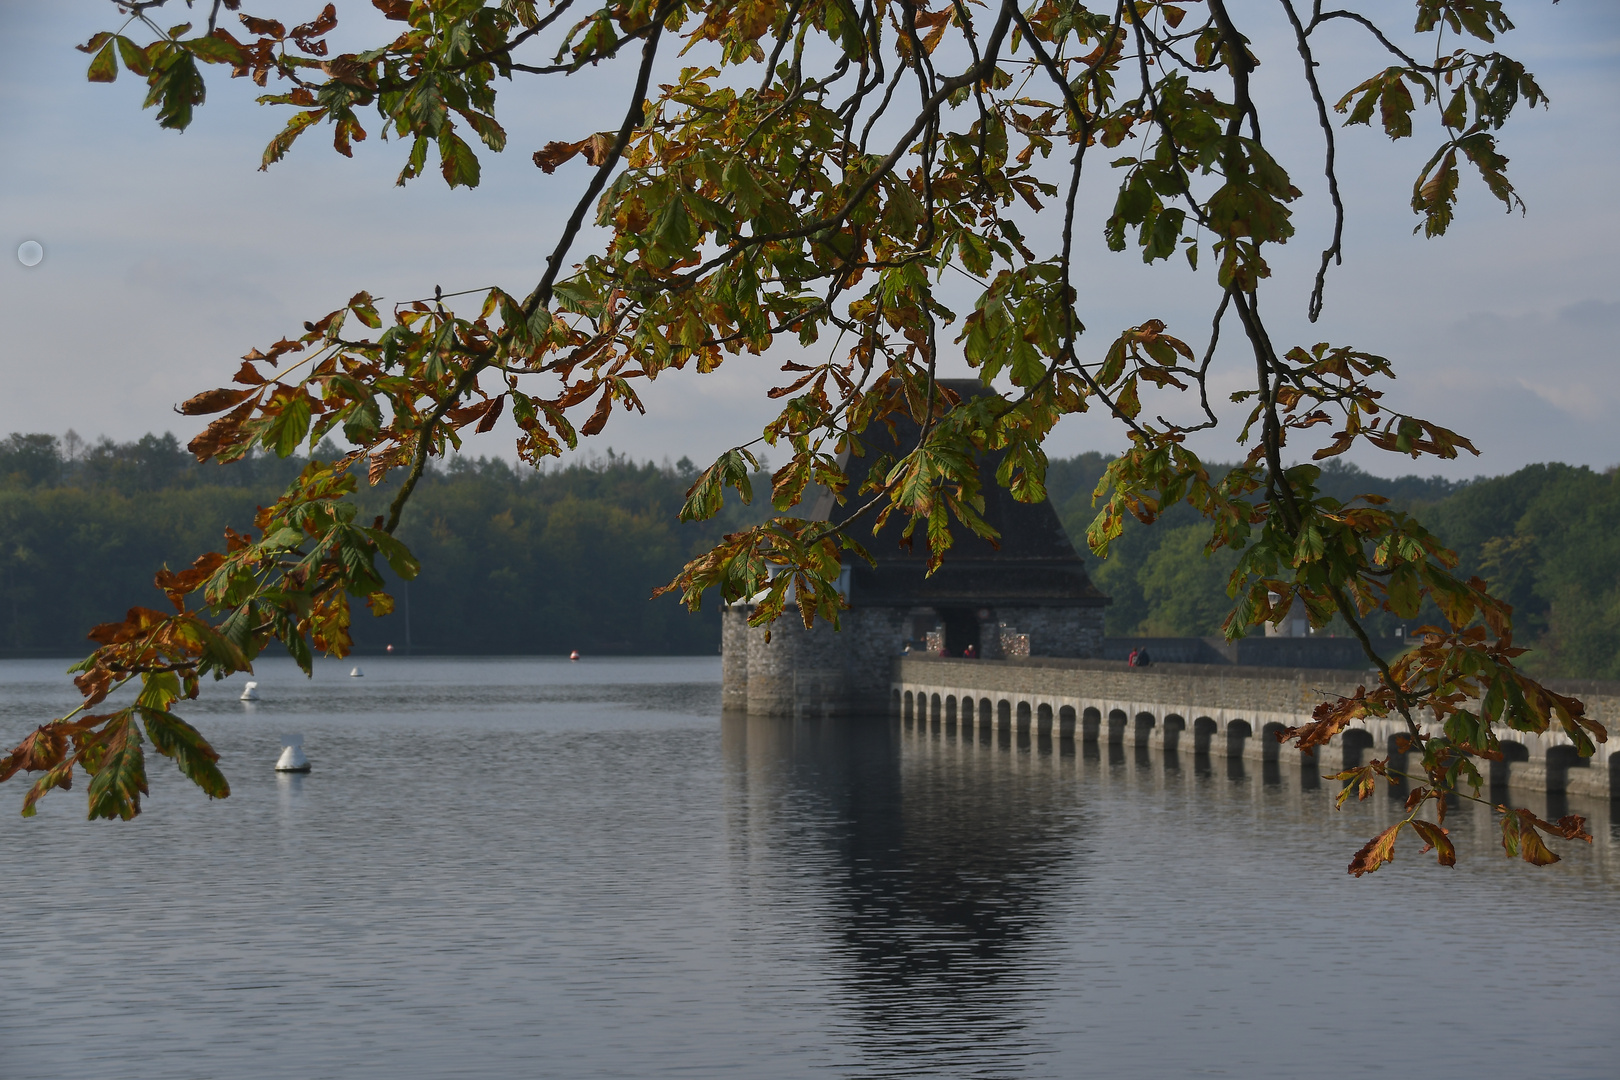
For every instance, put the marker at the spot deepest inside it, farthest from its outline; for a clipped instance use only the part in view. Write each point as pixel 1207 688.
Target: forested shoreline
pixel 518 561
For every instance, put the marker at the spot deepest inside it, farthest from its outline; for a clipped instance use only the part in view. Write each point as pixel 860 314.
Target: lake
pixel 531 868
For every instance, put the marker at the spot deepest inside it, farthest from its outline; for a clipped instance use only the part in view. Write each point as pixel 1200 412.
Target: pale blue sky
pixel 168 255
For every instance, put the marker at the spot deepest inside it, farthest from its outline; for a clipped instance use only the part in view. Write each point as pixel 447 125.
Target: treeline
pixel 514 561
pixel 524 561
pixel 1546 537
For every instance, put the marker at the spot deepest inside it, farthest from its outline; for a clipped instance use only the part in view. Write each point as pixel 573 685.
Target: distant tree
pixel 29 460
pixel 1184 584
pixel 820 168
pixel 1548 537
pixel 502 575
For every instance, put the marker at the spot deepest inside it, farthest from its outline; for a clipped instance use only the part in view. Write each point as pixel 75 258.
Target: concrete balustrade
pixel 1221 711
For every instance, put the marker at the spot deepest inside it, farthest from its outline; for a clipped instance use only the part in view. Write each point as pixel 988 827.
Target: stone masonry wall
pixel 873 637
pixel 816 671
pixel 1057 631
pixel 734 657
pixel 1209 685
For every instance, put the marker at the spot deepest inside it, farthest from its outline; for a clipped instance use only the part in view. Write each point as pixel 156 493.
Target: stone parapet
pixel 1221 709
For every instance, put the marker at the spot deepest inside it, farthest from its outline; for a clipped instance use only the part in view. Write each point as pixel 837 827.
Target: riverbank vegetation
pixel 531 561
pixel 1547 538
pixel 515 560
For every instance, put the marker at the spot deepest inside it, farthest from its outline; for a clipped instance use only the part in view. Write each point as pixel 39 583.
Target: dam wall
pixel 1222 710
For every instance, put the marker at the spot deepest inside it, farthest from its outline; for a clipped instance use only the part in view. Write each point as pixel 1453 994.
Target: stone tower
pixel 1032 590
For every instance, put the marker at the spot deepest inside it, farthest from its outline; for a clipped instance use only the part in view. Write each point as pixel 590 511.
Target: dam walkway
pixel 1222 711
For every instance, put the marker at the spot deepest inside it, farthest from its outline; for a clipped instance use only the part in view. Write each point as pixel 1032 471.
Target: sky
pixel 168 255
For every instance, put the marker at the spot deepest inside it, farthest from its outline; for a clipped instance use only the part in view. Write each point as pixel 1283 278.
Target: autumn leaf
pixel 120 776
pixel 1375 852
pixel 1437 840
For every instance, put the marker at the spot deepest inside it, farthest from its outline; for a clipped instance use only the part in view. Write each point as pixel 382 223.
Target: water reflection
pixel 289 789
pixel 940 873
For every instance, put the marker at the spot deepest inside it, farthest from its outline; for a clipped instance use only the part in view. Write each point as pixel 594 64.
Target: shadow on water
pixel 942 877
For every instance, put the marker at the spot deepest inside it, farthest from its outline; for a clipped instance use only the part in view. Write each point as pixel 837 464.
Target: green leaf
pixel 283 140
pixel 1395 109
pixel 159 689
pixel 672 236
pixel 363 420
pixel 364 307
pixel 215 50
pixel 1405 591
pixel 174 738
pixel 135 58
pixel 492 134
pixel 120 778
pixel 1113 365
pixel 845 25
pixel 705 498
pixel 286 430
pixel 738 181
pixel 457 161
pixel 416 163
pixel 104 65
pixel 399 556
pixel 283 539
pixel 176 89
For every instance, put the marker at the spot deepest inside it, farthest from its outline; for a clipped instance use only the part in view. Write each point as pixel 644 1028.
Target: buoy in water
pixel 292 755
pixel 250 692
pixel 356 674
pixel 390 648
pixel 574 655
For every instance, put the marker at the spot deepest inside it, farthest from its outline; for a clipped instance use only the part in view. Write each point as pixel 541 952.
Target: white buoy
pixel 357 674
pixel 292 755
pixel 250 692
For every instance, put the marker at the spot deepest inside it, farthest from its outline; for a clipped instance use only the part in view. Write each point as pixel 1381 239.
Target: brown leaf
pixel 177 586
pixel 599 418
pixel 1437 839
pixel 346 69
pixel 577 393
pixel 306 33
pixel 221 433
pixel 1327 720
pixel 1534 850
pixel 43 749
pixel 212 401
pixel 267 27
pixel 469 413
pixel 1376 852
pixel 137 622
pixel 1570 827
pixel 94 684
pixel 1519 837
pixel 555 153
pixel 377 468
pixel 597 147
pixel 493 414
pixel 1363 779
pixel 248 375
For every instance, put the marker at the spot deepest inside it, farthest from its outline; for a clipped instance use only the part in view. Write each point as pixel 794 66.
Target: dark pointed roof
pixel 1035 564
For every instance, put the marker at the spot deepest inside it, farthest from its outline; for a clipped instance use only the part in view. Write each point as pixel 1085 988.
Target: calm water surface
pixel 528 868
